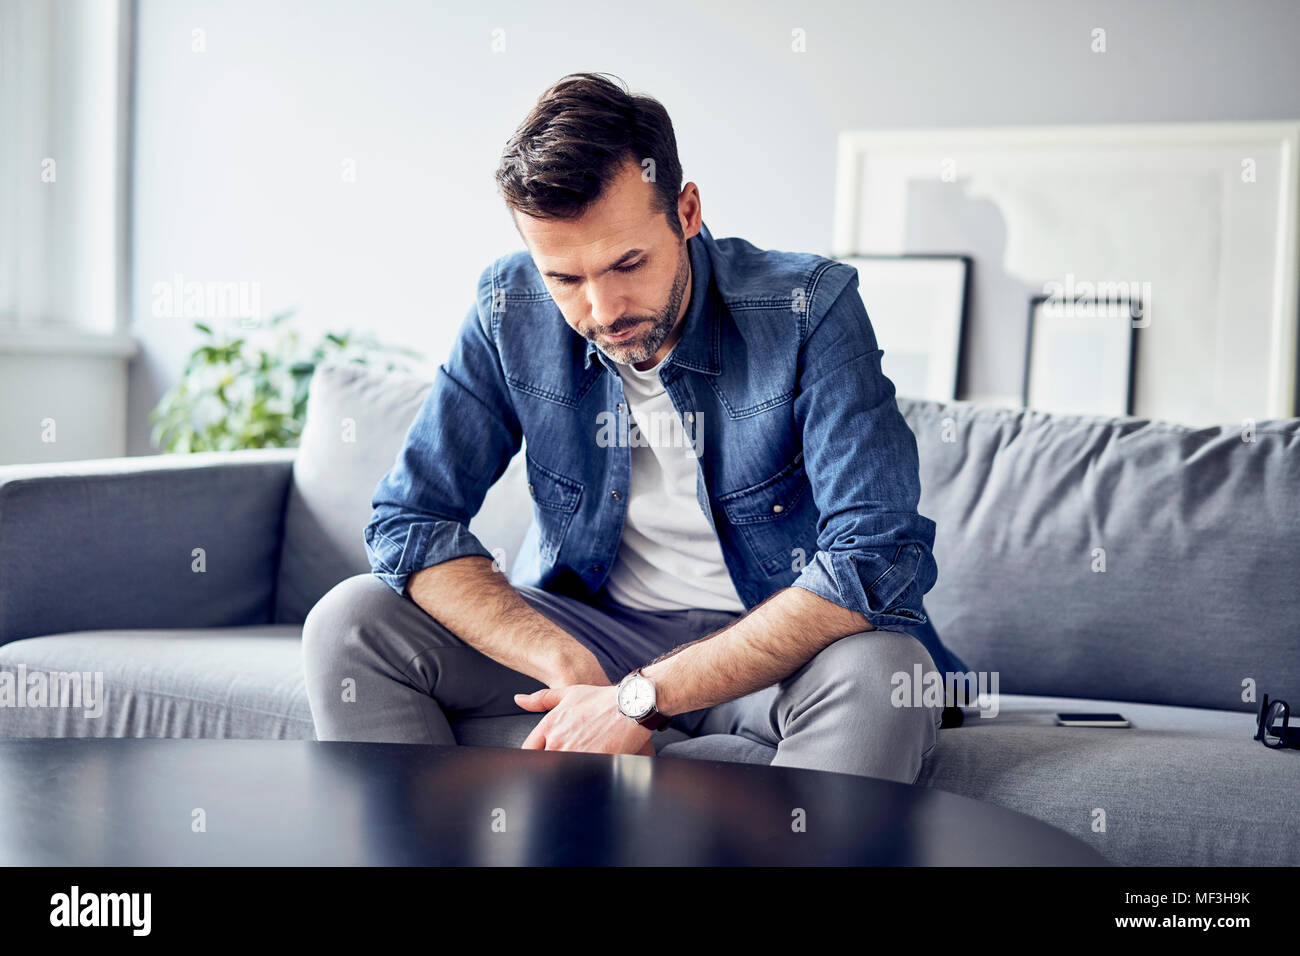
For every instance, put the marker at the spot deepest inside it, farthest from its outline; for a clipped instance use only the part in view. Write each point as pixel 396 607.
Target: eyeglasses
pixel 1268 732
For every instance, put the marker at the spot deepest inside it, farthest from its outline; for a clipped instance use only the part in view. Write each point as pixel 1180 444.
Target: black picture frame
pixel 1130 378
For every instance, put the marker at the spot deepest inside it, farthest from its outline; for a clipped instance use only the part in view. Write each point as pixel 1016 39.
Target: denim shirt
pixel 806 469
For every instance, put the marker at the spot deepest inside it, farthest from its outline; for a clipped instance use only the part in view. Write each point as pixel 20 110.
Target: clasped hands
pixel 582 715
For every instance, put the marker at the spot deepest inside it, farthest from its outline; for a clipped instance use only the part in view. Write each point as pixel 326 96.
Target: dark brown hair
pixel 581 133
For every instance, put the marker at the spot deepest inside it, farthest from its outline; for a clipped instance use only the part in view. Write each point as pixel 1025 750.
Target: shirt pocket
pixel 774 516
pixel 555 501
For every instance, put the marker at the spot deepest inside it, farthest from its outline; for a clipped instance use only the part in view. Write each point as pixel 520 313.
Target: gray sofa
pixel 1091 563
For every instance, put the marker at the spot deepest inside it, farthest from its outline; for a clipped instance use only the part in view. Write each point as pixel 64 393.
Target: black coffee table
pixel 137 802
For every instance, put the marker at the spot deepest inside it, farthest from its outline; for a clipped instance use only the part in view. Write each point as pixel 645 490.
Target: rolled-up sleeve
pixel 875 552
pixel 460 443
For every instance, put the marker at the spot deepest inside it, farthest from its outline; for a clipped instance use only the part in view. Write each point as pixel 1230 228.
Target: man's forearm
pixel 769 643
pixel 480 606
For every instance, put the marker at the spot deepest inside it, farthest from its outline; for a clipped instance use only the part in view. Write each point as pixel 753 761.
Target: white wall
pixel 61 404
pixel 239 148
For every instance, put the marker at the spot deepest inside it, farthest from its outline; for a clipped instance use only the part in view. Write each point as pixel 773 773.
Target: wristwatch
pixel 636 699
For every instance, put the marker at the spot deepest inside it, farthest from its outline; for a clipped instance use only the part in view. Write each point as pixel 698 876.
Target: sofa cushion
pixel 1198 533
pixel 1182 787
pixel 357 420
pixel 240 682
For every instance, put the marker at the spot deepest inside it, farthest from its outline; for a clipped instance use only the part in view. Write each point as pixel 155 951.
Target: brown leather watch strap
pixel 654 720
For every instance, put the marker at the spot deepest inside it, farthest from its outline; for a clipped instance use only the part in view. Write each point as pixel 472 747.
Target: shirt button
pixel 615 495
pixel 530 489
pixel 598 567
pixel 620 406
pixel 690 416
pixel 777 509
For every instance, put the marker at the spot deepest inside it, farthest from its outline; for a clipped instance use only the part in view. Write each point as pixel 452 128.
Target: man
pixel 725 538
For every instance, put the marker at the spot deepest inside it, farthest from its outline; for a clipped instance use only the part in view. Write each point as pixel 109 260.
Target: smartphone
pixel 1091 720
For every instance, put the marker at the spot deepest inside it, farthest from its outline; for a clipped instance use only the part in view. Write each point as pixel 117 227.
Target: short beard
pixel 661 326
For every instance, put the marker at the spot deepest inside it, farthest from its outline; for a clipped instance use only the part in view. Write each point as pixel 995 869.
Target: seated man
pixel 726 537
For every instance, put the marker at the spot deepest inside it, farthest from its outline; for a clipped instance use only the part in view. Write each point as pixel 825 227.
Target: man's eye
pixel 570 280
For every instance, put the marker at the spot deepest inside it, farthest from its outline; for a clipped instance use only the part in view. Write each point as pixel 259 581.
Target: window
pixel 64 110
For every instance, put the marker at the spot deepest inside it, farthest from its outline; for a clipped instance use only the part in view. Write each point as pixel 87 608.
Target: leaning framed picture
pixel 1080 355
pixel 917 307
pixel 1202 219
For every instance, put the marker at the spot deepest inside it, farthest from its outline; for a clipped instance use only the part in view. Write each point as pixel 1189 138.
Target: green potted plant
pixel 247 387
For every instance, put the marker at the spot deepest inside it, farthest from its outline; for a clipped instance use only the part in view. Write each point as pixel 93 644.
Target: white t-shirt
pixel 669 557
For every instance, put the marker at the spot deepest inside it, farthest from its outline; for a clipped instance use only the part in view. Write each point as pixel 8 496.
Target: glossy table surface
pixel 160 802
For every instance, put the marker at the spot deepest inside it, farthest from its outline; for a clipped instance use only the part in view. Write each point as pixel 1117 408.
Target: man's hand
pixel 580 668
pixel 585 718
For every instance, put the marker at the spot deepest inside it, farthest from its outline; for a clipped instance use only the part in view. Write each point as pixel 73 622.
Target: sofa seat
pixel 237 682
pixel 1163 784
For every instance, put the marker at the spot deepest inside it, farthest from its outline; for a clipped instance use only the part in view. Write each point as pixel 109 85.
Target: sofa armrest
pixel 187 540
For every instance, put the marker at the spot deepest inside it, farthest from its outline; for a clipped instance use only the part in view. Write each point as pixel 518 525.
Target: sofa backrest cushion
pixel 1115 558
pixel 357 420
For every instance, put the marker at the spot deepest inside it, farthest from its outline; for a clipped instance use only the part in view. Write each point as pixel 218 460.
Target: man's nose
pixel 607 306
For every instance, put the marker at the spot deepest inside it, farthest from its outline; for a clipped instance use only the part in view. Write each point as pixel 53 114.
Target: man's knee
pixel 338 619
pixel 885 671
pixel 852 682
pixel 874 660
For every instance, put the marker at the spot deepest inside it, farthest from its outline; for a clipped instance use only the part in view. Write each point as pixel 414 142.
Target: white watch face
pixel 636 697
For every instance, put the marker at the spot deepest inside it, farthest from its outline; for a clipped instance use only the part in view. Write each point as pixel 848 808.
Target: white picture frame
pixel 1201 216
pixel 917 308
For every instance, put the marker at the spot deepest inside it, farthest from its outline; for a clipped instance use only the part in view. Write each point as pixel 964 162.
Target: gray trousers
pixel 379 668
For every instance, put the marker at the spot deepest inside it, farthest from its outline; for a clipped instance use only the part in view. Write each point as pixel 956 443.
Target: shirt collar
pixel 697 349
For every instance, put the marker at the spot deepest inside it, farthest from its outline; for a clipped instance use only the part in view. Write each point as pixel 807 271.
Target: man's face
pixel 619 269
